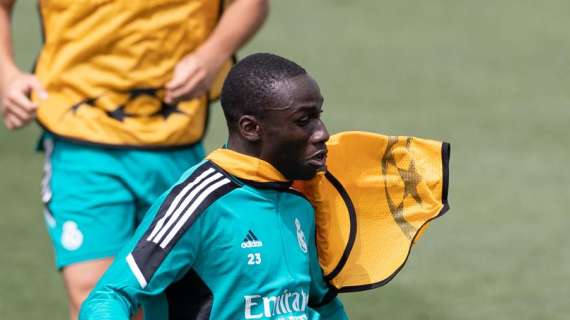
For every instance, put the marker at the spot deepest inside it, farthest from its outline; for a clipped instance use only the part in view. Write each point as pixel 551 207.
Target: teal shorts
pixel 94 196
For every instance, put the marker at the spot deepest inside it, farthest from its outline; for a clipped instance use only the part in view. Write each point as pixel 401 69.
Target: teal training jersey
pixel 216 247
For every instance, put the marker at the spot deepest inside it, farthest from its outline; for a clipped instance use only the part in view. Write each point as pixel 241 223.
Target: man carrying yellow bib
pixel 121 88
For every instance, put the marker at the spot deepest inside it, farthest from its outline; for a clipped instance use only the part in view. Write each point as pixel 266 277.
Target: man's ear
pixel 249 128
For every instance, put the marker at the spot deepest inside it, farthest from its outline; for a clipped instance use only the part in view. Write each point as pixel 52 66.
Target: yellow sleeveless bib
pixel 104 65
pixel 373 202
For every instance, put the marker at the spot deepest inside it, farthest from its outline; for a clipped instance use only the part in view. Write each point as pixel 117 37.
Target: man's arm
pixel 195 73
pixel 15 85
pixel 144 269
pixel 7 65
pixel 162 251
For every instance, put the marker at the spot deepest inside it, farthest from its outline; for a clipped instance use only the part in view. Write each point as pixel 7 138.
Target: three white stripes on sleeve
pixel 180 210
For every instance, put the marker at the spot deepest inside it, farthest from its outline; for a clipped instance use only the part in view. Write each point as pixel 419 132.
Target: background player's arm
pixel 195 73
pixel 322 297
pixel 15 85
pixel 124 287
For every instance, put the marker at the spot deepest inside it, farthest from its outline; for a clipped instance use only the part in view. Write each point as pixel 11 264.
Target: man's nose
pixel 321 134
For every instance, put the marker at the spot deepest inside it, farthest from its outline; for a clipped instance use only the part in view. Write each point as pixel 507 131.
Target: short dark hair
pixel 250 84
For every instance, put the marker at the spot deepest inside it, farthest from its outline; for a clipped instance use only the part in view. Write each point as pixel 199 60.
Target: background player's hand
pixel 17 108
pixel 193 76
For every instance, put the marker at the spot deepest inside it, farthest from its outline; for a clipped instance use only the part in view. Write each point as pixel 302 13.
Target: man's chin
pixel 310 173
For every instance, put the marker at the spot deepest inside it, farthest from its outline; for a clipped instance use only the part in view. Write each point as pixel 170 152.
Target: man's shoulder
pixel 204 181
pixel 186 201
pixel 211 187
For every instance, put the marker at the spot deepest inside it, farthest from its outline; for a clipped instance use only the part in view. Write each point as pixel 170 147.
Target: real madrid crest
pixel 71 237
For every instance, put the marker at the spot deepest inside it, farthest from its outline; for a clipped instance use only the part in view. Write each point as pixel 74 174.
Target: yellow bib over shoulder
pixel 375 199
pixel 105 63
pixel 373 202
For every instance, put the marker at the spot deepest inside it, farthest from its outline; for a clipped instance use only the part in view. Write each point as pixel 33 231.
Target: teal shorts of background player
pixel 95 196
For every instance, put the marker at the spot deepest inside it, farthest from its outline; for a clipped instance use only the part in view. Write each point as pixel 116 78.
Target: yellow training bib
pixel 105 63
pixel 373 202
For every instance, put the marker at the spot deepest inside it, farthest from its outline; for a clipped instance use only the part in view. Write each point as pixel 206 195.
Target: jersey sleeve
pixel 322 297
pixel 162 251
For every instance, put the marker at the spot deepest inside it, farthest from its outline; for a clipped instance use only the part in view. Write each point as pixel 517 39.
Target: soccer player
pixel 232 239
pixel 121 88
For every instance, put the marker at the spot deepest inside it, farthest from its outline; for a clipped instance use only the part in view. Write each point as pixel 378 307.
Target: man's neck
pixel 244 147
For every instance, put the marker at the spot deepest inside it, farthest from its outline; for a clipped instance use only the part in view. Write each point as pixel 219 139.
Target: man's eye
pixel 303 121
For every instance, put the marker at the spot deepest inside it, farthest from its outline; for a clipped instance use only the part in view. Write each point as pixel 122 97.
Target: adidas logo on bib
pixel 251 241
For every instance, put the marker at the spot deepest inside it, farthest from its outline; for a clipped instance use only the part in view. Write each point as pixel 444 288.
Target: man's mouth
pixel 318 159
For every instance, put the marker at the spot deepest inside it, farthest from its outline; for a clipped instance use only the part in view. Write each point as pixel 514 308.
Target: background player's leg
pixel 79 279
pixel 90 214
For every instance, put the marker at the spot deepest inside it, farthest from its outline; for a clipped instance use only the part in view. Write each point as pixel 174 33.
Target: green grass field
pixel 490 77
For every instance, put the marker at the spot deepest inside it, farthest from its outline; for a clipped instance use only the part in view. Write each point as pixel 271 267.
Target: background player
pixel 121 89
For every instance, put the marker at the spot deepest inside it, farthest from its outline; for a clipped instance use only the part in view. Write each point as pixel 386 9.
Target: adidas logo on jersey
pixel 251 241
